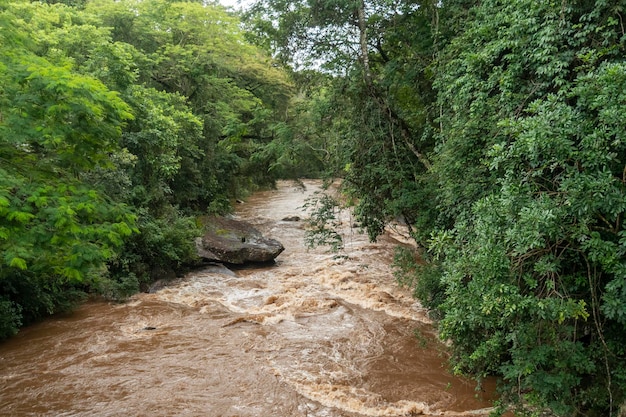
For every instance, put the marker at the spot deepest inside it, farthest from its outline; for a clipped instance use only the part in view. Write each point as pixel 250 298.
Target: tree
pixel 386 104
pixel 199 52
pixel 55 230
pixel 530 167
pixel 117 118
pixel 493 128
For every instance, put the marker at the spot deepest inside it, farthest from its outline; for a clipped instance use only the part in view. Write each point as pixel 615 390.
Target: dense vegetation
pixel 120 123
pixel 497 130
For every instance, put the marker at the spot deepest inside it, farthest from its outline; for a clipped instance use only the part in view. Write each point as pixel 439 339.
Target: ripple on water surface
pixel 314 335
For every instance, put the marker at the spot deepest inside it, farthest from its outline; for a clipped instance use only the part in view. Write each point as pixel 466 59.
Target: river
pixel 317 334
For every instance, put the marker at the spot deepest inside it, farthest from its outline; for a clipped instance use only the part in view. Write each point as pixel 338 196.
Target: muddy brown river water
pixel 313 335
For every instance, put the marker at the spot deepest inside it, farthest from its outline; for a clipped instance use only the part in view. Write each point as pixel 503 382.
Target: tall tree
pixel 55 230
pixel 204 101
pixel 199 52
pixel 494 129
pixel 530 167
pixel 361 44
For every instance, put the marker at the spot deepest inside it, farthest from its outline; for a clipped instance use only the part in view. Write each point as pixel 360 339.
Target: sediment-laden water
pixel 316 334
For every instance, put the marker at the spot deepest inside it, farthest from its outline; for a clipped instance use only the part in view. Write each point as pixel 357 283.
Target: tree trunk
pixel 367 72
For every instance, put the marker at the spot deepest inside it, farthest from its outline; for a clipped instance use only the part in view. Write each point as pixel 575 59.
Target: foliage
pixel 120 121
pixel 164 248
pixel 10 318
pixel 56 231
pixel 423 277
pixel 377 113
pixel 494 129
pixel 198 53
pixel 536 199
pixel 323 222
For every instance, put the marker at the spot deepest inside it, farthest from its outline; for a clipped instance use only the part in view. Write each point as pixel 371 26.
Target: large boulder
pixel 235 242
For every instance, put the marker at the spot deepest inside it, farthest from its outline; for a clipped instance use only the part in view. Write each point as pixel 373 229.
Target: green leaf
pixel 18 263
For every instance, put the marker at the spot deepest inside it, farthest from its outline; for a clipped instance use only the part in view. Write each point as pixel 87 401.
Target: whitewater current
pixel 316 334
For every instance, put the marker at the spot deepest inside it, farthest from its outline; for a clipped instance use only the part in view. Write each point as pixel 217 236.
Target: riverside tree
pixel 495 129
pixel 532 267
pixel 119 117
pixel 56 231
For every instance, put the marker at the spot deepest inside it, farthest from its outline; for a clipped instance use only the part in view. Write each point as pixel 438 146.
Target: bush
pixel 165 247
pixel 10 318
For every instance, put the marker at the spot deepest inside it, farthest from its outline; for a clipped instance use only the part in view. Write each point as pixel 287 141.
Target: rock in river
pixel 235 242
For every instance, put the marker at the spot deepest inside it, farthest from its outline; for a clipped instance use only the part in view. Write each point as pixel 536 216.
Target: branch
pixel 392 116
pixel 381 51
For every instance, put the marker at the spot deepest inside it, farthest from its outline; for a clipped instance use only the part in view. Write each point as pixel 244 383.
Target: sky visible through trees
pixel 236 3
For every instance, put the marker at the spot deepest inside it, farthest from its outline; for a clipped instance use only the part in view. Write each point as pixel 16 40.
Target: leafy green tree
pixel 207 106
pixel 530 168
pixel 494 129
pixel 200 53
pixel 55 230
pixel 381 104
pixel 162 134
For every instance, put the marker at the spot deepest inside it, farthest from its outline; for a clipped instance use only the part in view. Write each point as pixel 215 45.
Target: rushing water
pixel 313 335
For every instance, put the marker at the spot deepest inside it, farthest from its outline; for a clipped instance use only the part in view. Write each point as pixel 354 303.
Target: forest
pixel 495 130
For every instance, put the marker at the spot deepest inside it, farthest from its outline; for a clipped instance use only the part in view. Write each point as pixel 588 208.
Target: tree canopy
pixel 120 122
pixel 495 130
